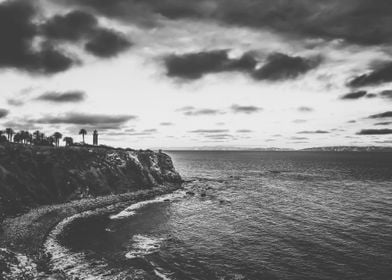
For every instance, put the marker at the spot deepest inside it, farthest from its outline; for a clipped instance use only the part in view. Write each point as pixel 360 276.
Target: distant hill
pixel 349 149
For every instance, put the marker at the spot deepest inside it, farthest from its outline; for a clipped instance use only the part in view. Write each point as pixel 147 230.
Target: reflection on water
pixel 254 216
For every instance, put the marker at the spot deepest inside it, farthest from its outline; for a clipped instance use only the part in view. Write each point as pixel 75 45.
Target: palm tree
pixel 10 133
pixel 82 132
pixel 50 140
pixel 25 136
pixel 18 137
pixel 57 136
pixel 37 135
pixel 68 141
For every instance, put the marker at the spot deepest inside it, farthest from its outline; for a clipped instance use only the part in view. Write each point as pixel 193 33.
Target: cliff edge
pixel 31 176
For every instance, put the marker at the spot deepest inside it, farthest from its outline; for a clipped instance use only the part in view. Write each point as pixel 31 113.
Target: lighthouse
pixel 95 138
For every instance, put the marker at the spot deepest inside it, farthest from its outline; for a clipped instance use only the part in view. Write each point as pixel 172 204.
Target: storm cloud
pixel 379 75
pixel 351 20
pixel 107 43
pixel 381 115
pixel 354 95
pixel 62 97
pixel 72 26
pixel 195 65
pixel 375 132
pixel 86 119
pixel 386 94
pixel 17 32
pixel 282 67
pixel 278 66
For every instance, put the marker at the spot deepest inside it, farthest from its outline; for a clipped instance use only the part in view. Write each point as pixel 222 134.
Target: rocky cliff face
pixel 31 176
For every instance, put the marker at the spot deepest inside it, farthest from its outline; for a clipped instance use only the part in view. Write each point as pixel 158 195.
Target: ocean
pixel 246 215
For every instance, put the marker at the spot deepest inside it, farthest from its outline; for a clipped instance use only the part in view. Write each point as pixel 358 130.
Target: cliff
pixel 31 176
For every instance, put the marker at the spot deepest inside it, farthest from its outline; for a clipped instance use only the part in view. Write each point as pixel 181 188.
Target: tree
pixel 82 132
pixel 10 133
pixel 25 136
pixel 68 141
pixel 18 137
pixel 57 136
pixel 50 140
pixel 37 135
pixel 3 139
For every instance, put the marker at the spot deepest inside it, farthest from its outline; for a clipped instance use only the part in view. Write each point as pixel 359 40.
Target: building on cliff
pixel 95 138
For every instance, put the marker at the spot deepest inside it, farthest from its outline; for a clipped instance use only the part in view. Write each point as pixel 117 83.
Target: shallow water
pixel 250 215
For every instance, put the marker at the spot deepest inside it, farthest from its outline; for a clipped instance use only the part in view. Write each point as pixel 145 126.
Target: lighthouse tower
pixel 95 138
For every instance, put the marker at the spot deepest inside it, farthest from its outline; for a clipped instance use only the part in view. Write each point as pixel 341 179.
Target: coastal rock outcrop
pixel 31 176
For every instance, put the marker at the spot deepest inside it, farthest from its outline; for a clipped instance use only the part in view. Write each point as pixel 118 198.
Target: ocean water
pixel 248 215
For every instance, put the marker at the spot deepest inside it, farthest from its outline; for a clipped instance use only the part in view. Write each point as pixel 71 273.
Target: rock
pixel 31 176
pixel 203 194
pixel 190 193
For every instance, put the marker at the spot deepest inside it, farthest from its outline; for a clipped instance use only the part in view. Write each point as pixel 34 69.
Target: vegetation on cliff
pixel 32 175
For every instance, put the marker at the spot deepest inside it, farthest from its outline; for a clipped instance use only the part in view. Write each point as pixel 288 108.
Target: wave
pixel 131 210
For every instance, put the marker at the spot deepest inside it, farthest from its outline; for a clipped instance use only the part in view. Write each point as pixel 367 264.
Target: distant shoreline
pixel 336 149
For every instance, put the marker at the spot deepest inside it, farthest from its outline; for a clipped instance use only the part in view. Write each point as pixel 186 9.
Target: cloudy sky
pixel 186 73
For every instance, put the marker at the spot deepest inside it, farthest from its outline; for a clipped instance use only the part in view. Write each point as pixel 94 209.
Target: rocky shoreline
pixel 22 255
pixel 42 186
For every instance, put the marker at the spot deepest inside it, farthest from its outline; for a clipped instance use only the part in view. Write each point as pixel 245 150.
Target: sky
pixel 207 73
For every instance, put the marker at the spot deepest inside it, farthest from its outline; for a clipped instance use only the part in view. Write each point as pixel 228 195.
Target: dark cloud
pixel 282 67
pixel 385 142
pixel 299 138
pixel 244 131
pixel 305 109
pixel 166 124
pixel 386 94
pixel 112 121
pixel 72 26
pixel 359 21
pixel 375 132
pixel 278 66
pixel 107 43
pixel 381 115
pixel 354 95
pixel 383 123
pixel 380 74
pixel 195 65
pixel 21 124
pixel 371 95
pixel 314 132
pixel 3 113
pixel 207 131
pixel 77 25
pixel 17 32
pixel 299 121
pixel 62 97
pixel 221 136
pixel 245 109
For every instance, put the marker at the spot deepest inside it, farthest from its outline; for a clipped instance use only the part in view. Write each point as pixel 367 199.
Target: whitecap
pixel 143 245
pixel 131 210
